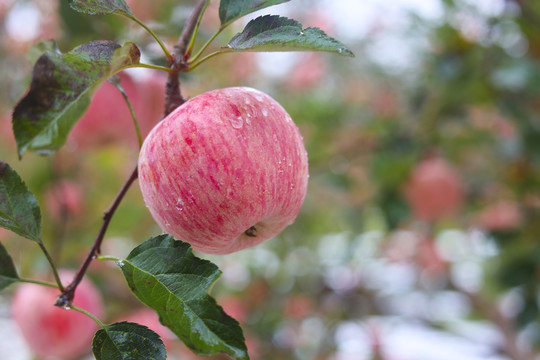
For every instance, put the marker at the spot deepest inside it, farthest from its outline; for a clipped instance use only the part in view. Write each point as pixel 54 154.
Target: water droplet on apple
pixel 265 112
pixel 248 119
pixel 292 186
pixel 290 163
pixel 247 101
pixel 259 97
pixel 229 192
pixel 237 123
pixel 66 307
pixel 179 205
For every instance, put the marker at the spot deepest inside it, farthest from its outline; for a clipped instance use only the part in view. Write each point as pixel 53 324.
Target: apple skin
pixel 225 171
pixel 434 190
pixel 52 332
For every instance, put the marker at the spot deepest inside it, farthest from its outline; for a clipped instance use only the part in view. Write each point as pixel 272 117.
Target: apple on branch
pixel 225 171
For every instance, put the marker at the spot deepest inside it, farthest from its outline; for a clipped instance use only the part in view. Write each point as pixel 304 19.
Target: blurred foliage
pixel 358 259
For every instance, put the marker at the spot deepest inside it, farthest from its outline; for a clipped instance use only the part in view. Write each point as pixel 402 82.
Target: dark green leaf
pixel 276 33
pixel 100 7
pixel 165 275
pixel 8 274
pixel 61 89
pixel 19 209
pixel 126 340
pixel 230 10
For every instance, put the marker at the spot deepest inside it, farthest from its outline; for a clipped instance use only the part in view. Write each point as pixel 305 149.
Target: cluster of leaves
pixel 60 92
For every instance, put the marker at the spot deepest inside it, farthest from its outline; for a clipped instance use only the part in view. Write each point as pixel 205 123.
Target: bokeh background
pixel 420 234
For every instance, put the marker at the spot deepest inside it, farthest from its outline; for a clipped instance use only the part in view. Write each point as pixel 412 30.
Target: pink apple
pixel 52 332
pixel 500 216
pixel 225 171
pixel 434 189
pixel 108 118
pixel 64 199
pixel 307 73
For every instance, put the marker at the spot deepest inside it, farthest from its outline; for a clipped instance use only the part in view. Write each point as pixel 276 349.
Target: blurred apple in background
pixel 225 171
pixel 434 189
pixel 308 72
pixel 500 216
pixel 64 199
pixel 108 118
pixel 52 332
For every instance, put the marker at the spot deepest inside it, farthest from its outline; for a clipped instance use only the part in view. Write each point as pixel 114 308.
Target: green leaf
pixel 61 89
pixel 165 275
pixel 100 7
pixel 230 10
pixel 276 33
pixel 8 274
pixel 19 209
pixel 127 340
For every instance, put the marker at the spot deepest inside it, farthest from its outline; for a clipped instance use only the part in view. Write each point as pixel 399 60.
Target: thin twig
pixel 68 293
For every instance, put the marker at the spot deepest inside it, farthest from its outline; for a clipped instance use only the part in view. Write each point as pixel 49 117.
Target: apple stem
pixel 68 293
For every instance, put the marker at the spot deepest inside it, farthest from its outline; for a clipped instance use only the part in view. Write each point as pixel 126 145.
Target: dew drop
pixel 290 163
pixel 247 101
pixel 120 263
pixel 66 307
pixel 265 112
pixel 248 119
pixel 259 97
pixel 179 205
pixel 275 137
pixel 237 123
pixel 292 186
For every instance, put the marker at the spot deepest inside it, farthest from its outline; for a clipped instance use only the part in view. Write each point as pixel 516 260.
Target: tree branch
pixel 178 63
pixel 65 299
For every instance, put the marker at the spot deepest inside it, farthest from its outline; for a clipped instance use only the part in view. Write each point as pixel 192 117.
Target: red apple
pixel 225 171
pixel 434 189
pixel 52 332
